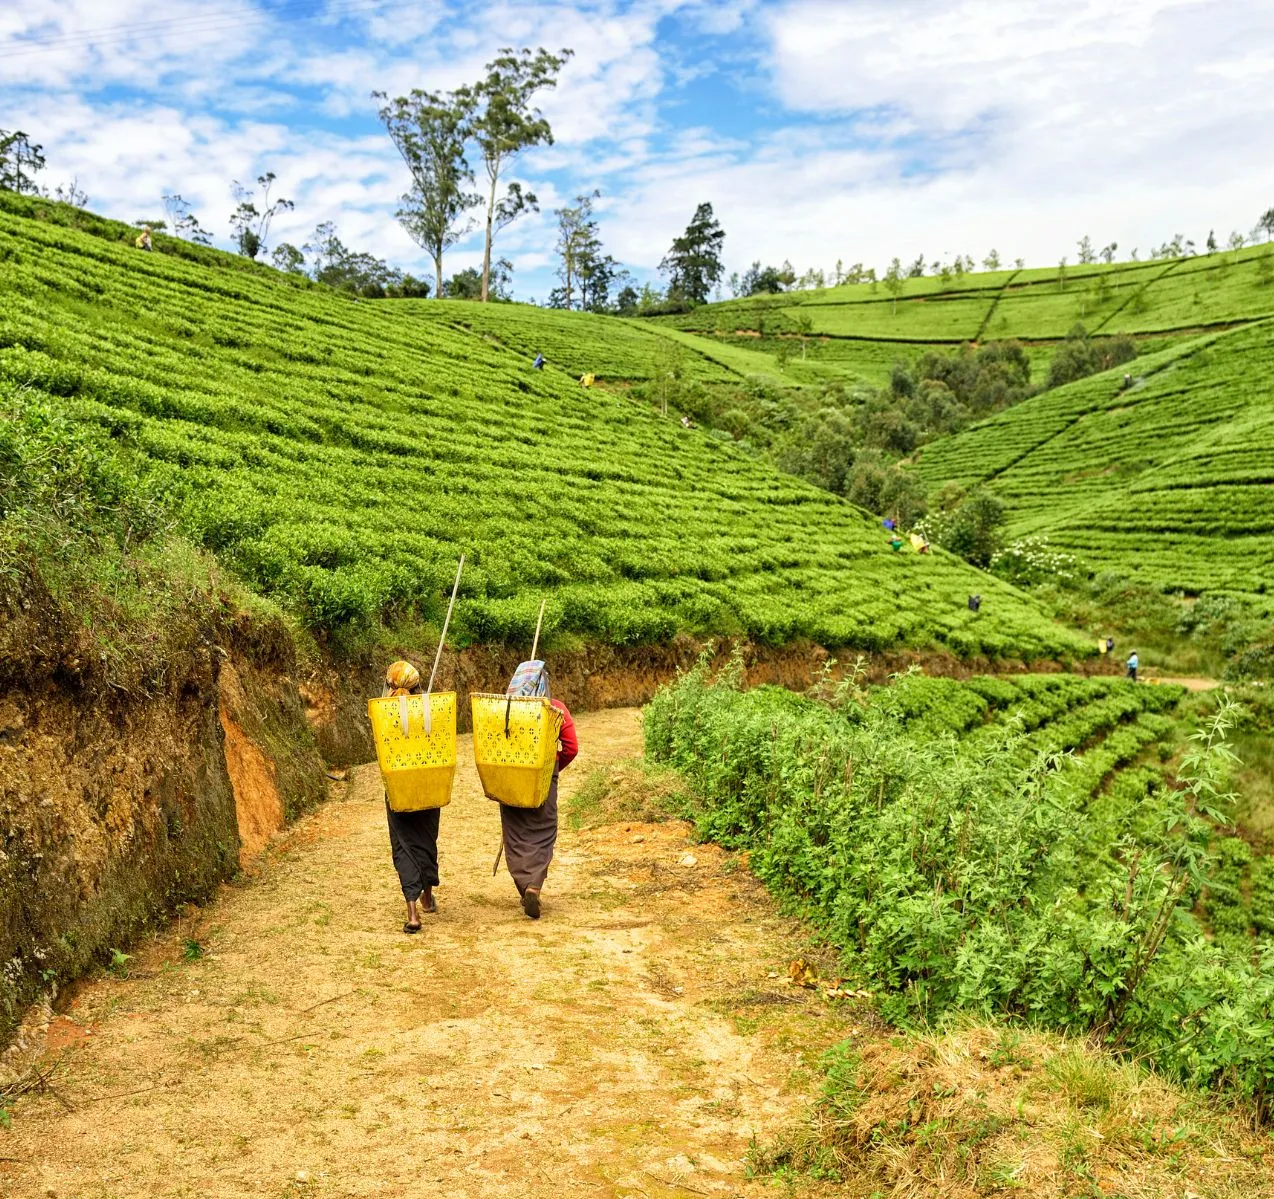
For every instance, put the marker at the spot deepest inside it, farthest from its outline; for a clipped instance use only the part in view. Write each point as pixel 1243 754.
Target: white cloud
pixel 833 128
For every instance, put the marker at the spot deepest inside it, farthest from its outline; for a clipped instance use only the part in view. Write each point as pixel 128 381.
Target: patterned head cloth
pixel 402 678
pixel 529 679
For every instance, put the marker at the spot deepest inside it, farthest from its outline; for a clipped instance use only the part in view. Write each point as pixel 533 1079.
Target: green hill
pixel 1170 482
pixel 339 456
pixel 860 330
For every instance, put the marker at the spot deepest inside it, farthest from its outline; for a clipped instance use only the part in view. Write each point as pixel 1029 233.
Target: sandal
pixel 411 928
pixel 531 902
pixel 431 909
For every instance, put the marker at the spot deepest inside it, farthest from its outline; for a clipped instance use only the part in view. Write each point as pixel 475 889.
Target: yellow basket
pixel 417 763
pixel 515 747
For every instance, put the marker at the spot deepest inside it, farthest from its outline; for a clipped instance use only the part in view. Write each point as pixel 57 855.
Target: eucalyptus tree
pixel 503 122
pixel 429 130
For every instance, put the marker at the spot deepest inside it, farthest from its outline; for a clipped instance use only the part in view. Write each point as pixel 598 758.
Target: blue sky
pixel 854 129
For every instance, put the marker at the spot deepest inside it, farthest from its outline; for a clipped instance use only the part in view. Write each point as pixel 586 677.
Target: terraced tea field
pixel 1170 482
pixel 861 329
pixel 340 455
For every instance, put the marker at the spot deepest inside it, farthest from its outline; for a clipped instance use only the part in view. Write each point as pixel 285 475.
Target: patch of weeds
pixel 191 950
pixel 1010 1050
pixel 118 964
pixel 630 791
pixel 1086 1080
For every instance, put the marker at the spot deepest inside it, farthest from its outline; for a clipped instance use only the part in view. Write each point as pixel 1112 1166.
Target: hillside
pixel 859 329
pixel 340 455
pixel 1170 481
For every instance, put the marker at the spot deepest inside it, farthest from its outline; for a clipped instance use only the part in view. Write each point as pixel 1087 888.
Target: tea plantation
pixel 340 455
pixel 1170 482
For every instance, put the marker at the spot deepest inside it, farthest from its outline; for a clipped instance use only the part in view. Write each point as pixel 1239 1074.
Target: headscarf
pixel 402 678
pixel 530 678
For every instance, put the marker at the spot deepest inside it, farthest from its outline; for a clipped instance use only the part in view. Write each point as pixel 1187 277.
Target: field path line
pixel 629 1043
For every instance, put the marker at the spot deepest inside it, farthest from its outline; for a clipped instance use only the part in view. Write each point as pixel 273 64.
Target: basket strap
pixel 508 709
pixel 427 701
pixel 404 715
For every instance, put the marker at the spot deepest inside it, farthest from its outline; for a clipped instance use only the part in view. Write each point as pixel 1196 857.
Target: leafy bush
pixel 1029 561
pixel 986 871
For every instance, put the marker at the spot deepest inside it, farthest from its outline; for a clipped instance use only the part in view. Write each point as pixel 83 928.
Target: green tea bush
pixel 989 870
pixel 338 457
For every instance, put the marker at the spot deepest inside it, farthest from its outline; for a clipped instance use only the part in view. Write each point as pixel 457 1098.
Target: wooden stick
pixel 539 621
pixel 498 854
pixel 443 639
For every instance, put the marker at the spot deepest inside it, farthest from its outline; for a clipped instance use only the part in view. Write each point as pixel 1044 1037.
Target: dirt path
pixel 627 1044
pixel 1189 683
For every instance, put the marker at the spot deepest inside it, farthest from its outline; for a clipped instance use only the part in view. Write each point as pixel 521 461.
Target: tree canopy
pixel 693 264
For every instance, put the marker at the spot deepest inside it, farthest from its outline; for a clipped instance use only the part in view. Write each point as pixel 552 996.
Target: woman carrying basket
pixel 531 833
pixel 413 836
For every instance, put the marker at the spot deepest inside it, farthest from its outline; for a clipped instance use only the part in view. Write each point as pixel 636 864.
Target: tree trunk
pixel 486 253
pixel 438 274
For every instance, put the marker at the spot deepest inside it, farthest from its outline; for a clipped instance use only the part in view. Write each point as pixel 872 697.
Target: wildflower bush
pixel 1030 561
pixel 1001 846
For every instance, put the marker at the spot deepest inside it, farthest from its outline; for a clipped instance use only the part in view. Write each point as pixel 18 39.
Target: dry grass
pixel 631 791
pixel 980 1111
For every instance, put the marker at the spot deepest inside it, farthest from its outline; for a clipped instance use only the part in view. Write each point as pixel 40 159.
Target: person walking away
pixel 1133 663
pixel 1110 645
pixel 143 239
pixel 538 364
pixel 413 836
pixel 531 833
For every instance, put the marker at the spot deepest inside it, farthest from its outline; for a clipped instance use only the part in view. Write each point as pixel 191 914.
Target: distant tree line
pixel 494 120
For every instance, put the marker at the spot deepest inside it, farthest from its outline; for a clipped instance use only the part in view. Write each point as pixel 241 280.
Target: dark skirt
pixel 413 841
pixel 529 837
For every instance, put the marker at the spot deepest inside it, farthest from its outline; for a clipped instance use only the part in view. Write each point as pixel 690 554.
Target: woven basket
pixel 515 747
pixel 417 753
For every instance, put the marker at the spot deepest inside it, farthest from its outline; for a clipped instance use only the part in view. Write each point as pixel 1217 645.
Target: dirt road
pixel 630 1043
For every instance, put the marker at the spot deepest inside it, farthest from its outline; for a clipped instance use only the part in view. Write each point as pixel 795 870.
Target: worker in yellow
pixel 413 836
pixel 919 543
pixel 587 380
pixel 143 239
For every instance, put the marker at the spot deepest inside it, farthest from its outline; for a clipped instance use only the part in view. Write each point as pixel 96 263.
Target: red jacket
pixel 568 742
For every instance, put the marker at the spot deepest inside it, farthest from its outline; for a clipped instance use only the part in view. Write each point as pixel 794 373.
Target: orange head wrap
pixel 402 678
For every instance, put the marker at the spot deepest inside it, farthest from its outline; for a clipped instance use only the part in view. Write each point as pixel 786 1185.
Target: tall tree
pixel 1087 254
pixel 693 264
pixel 894 282
pixel 429 130
pixel 249 224
pixel 504 123
pixel 182 221
pixel 577 242
pixel 992 260
pixel 1266 223
pixel 20 161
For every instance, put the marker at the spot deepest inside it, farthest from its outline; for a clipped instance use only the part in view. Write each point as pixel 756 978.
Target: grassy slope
pixel 863 332
pixel 340 455
pixel 1171 481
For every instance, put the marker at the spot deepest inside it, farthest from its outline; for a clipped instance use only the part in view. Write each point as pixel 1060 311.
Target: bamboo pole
pixel 433 674
pixel 539 621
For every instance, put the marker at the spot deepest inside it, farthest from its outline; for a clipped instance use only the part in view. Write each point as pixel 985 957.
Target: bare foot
pixel 413 918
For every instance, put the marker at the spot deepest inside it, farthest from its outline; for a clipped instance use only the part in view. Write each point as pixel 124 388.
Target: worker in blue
pixel 1133 663
pixel 538 364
